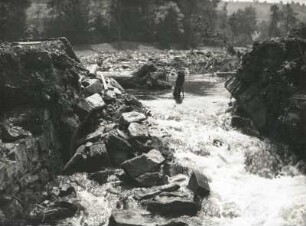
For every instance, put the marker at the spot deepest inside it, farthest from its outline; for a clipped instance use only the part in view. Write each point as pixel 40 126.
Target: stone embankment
pixel 58 118
pixel 270 89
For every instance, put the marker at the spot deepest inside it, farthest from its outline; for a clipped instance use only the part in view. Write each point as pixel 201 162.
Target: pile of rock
pixel 54 111
pixel 270 89
pixel 164 204
pixel 122 140
pixel 39 90
pixel 149 76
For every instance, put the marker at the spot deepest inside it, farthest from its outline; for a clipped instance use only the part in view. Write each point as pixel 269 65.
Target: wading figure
pixel 179 85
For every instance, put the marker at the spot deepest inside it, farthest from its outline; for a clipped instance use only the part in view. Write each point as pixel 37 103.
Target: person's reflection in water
pixel 178 100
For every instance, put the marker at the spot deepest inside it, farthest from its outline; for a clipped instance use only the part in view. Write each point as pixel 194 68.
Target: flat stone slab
pixel 131 218
pixel 172 204
pixel 142 164
pixel 152 192
pixel 132 116
pixel 95 101
pixel 137 130
pixel 92 137
pixel 152 179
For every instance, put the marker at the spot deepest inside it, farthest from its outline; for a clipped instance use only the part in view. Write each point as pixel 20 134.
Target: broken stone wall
pixel 39 90
pixel 270 88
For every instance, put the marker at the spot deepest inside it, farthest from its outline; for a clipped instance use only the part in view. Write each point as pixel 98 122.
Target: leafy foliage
pixel 243 24
pixel 289 18
pixel 12 18
pixel 69 19
pixel 184 22
pixel 275 20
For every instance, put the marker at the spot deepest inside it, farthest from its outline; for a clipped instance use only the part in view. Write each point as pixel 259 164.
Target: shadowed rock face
pixel 198 183
pixel 270 88
pixel 39 89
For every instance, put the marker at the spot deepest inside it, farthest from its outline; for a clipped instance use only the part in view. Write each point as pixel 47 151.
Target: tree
pixel 69 18
pixel 223 18
pixel 12 19
pixel 243 24
pixel 165 22
pixel 275 20
pixel 200 18
pixel 250 21
pixel 263 29
pixel 117 19
pixel 299 30
pixel 289 19
pixel 169 29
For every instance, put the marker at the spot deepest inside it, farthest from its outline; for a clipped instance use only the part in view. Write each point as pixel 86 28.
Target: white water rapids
pixel 250 186
pixel 238 196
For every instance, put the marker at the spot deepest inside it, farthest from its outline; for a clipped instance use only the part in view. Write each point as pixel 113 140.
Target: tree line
pixel 242 27
pixel 162 21
pixel 185 22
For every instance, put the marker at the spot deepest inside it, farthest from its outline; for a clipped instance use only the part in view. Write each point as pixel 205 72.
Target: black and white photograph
pixel 152 113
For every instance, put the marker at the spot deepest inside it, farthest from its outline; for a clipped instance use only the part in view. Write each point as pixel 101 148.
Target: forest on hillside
pixel 183 22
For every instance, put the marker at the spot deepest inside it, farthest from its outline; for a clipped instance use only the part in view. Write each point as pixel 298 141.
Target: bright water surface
pixel 250 186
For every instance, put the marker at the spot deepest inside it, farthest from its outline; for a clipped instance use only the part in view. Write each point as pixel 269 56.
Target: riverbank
pixel 131 160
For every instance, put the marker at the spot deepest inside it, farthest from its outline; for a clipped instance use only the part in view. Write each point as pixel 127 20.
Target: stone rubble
pixel 73 121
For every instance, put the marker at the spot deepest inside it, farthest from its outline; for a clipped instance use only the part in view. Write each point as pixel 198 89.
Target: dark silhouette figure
pixel 179 85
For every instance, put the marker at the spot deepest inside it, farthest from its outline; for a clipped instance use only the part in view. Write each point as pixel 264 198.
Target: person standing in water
pixel 179 84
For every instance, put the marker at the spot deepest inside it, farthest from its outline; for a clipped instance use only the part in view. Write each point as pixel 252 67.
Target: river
pixel 251 185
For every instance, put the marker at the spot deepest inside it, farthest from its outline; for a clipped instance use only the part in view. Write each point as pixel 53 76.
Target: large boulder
pixel 270 88
pixel 95 101
pixel 144 163
pixel 137 217
pixel 173 204
pixel 145 169
pixel 131 218
pixel 198 183
pixel 89 157
pixel 92 86
pixel 137 130
pixel 119 149
pixel 132 116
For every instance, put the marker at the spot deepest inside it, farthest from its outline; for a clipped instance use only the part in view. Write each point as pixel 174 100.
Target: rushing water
pixel 250 184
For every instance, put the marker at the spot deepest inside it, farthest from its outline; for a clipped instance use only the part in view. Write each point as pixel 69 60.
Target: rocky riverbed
pixel 77 149
pixel 58 118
